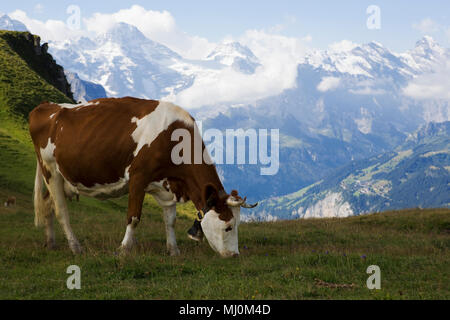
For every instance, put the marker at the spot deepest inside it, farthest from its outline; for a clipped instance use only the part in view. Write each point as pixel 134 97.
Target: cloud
pixel 426 26
pixel 342 46
pixel 56 30
pixel 328 83
pixel 279 57
pixel 447 34
pixel 434 85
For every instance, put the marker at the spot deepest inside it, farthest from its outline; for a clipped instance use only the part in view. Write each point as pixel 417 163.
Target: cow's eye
pixel 228 229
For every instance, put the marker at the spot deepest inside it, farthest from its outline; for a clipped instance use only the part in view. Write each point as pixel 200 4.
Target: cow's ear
pixel 211 195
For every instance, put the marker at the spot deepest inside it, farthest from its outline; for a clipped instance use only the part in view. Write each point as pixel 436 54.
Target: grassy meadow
pixel 307 259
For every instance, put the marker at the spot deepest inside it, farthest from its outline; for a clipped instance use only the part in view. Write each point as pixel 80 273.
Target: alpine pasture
pixel 300 259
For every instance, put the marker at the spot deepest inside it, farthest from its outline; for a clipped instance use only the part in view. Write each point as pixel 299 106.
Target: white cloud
pixel 328 83
pixel 49 30
pixel 434 85
pixel 342 46
pixel 447 34
pixel 426 26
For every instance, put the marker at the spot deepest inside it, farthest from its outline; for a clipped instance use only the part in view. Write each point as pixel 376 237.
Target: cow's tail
pixel 42 202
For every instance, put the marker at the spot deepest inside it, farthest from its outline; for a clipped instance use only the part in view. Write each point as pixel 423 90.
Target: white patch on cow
pixel 215 230
pixel 128 239
pixel 52 115
pixel 150 126
pixel 102 191
pixel 47 153
pixel 108 190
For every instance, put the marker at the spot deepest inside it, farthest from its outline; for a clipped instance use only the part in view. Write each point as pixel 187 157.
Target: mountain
pixel 347 104
pixel 123 61
pixel 235 55
pixel 83 90
pixel 6 23
pixel 29 74
pixel 417 174
pixel 126 63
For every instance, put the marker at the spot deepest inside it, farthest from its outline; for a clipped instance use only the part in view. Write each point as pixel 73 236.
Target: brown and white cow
pixel 113 146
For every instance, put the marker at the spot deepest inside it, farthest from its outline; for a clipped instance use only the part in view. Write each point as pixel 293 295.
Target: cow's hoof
pixel 75 247
pixel 50 245
pixel 124 250
pixel 195 232
pixel 174 252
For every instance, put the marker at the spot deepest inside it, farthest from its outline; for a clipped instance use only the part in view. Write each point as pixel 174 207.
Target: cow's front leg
pixel 170 215
pixel 135 199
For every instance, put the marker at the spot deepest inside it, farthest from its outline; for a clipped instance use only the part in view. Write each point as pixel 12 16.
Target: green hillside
pixel 21 89
pixel 28 74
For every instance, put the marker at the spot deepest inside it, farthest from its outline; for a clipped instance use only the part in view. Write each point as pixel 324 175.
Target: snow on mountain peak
pixel 428 47
pixel 123 32
pixel 235 55
pixel 6 23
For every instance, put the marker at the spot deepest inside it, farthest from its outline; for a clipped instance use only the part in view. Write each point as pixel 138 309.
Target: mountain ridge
pixel 417 174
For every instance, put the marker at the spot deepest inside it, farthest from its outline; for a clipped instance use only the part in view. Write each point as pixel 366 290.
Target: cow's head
pixel 221 218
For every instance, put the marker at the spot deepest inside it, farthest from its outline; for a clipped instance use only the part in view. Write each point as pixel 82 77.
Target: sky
pixel 402 22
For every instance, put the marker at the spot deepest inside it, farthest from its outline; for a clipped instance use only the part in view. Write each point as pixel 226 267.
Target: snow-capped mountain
pixel 235 55
pixel 126 63
pixel 424 57
pixel 123 61
pixel 6 23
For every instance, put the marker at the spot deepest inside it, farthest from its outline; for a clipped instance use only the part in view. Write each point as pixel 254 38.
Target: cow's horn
pixel 249 206
pixel 235 203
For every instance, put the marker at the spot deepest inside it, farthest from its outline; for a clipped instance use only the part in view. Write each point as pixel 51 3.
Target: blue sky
pixel 402 22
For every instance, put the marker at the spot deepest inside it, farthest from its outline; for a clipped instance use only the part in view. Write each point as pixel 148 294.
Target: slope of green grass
pixel 302 259
pixel 21 87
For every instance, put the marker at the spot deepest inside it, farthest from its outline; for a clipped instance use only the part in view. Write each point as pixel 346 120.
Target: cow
pixel 110 147
pixel 11 201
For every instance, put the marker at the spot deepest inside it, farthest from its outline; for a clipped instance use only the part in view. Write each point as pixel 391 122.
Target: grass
pixel 279 260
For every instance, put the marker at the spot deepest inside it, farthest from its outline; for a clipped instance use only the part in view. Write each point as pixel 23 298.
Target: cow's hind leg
pixel 50 230
pixel 135 200
pixel 170 215
pixel 56 188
